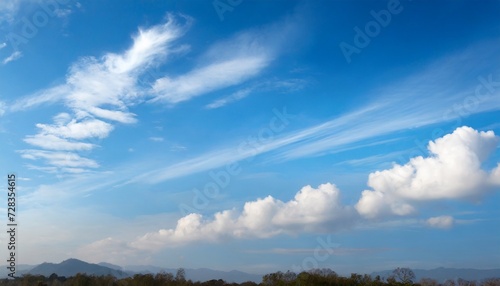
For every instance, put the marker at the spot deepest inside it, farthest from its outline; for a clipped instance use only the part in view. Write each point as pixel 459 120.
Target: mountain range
pixel 72 266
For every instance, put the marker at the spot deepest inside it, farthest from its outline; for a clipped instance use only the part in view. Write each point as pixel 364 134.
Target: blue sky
pixel 254 135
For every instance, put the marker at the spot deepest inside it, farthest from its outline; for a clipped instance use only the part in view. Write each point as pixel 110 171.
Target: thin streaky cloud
pixel 373 160
pixel 335 250
pixel 14 56
pixel 209 78
pixel 157 139
pixel 47 96
pixel 351 129
pixel 240 94
pixel 99 92
pixel 59 159
pixel 229 62
pixel 221 157
pixel 8 10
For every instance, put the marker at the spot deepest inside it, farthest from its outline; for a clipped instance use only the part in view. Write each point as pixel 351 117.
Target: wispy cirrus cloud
pixel 208 78
pixel 274 85
pixel 46 96
pixel 8 10
pixel 14 56
pixel 53 142
pixel 98 91
pixel 412 102
pixel 101 90
pixel 156 139
pixel 229 62
pixel 59 159
pixel 240 94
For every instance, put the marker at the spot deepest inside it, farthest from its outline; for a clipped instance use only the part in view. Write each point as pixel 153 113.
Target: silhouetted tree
pixel 180 275
pixel 449 282
pixel 491 282
pixel 463 282
pixel 405 275
pixel 164 278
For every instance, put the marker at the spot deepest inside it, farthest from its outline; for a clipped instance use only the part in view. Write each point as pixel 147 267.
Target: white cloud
pixel 494 178
pixel 452 171
pixel 59 159
pixel 208 78
pixel 240 94
pixel 413 104
pixel 156 139
pixel 289 85
pixel 111 80
pixel 87 128
pixel 310 210
pixel 443 222
pixel 229 62
pixel 52 142
pixel 62 13
pixel 177 148
pixel 441 92
pixel 3 107
pixel 104 250
pixel 3 45
pixel 99 92
pixel 8 9
pixel 14 56
pixel 50 95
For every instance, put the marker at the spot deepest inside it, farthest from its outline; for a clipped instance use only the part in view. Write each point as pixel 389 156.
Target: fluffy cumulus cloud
pixel 495 176
pixel 312 209
pixel 452 171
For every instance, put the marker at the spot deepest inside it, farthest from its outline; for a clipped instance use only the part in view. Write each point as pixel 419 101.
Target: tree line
pixel 314 277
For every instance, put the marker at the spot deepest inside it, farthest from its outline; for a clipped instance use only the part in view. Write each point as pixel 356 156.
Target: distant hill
pixel 71 267
pixel 442 274
pixel 20 270
pixel 109 265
